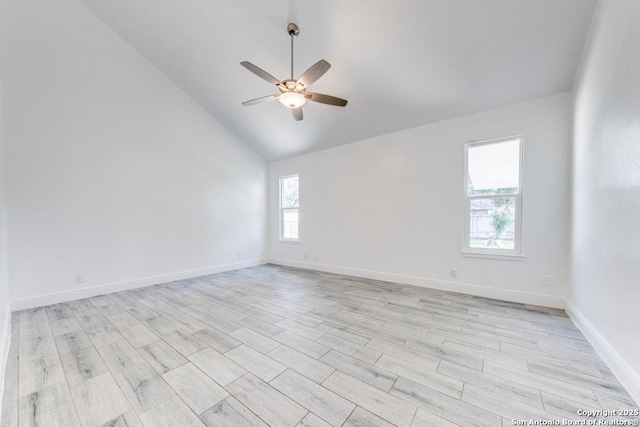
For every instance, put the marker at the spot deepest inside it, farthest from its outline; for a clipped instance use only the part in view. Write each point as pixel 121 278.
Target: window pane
pixel 494 168
pixel 289 192
pixel 492 224
pixel 290 223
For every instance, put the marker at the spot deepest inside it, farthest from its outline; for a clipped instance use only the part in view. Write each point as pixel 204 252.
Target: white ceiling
pixel 399 63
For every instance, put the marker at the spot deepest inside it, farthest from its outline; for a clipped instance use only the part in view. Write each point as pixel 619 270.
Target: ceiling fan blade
pixel 326 99
pixel 259 100
pixel 297 113
pixel 260 73
pixel 314 72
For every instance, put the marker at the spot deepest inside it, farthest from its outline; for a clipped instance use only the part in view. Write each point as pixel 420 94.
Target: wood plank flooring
pixel 279 346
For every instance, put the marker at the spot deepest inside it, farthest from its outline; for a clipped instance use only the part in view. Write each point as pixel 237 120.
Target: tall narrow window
pixel 493 193
pixel 289 205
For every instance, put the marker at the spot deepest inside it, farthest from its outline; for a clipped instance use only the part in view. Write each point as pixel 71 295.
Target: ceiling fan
pixel 293 93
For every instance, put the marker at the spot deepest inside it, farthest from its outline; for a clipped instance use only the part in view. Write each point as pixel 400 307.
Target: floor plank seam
pixel 437 355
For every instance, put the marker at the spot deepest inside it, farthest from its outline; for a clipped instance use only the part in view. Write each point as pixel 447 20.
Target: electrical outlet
pixel 239 255
pixel 546 282
pixel 79 279
pixel 453 273
pixel 316 257
pixel 306 256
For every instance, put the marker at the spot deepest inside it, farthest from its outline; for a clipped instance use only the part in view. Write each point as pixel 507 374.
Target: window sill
pixel 290 242
pixel 503 257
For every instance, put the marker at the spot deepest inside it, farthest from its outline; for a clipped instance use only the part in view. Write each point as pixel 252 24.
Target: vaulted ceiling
pixel 399 63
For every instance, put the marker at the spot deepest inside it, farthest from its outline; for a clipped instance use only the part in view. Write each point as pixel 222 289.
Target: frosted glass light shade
pixel 292 99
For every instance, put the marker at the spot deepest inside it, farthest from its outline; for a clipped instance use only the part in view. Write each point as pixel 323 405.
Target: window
pixel 289 205
pixel 493 197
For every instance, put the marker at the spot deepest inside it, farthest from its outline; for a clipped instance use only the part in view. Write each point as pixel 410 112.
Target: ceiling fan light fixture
pixel 292 99
pixel 293 93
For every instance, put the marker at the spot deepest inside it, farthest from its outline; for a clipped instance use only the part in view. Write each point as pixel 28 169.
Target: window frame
pixel 495 253
pixel 282 209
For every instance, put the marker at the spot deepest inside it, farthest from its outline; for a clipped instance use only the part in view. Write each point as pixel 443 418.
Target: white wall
pixel 5 313
pixel 113 173
pixel 391 207
pixel 605 290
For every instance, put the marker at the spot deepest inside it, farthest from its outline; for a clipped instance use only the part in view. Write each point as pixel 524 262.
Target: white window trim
pixel 514 254
pixel 281 209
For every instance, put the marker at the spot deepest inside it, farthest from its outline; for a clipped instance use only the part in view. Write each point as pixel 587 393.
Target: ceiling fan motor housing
pixel 292 85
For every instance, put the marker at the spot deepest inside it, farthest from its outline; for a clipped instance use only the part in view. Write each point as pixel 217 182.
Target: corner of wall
pixel 603 291
pixel 5 327
pixel 623 371
pixel 5 344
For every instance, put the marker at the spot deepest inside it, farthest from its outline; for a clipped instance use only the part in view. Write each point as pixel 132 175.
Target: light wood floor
pixel 284 347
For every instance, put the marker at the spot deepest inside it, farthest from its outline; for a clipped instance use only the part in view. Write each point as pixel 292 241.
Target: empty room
pixel 319 213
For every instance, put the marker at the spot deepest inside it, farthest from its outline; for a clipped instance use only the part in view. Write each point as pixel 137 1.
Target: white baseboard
pixel 5 343
pixel 92 291
pixel 464 288
pixel 627 376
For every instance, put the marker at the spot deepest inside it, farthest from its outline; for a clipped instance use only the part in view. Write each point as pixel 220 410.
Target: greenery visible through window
pixel 289 206
pixel 493 196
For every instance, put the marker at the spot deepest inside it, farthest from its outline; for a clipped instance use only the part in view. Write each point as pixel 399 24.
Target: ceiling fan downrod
pixel 293 31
